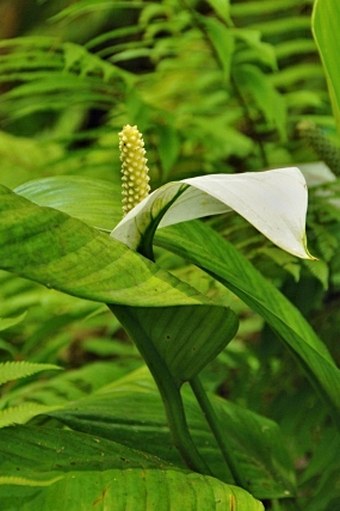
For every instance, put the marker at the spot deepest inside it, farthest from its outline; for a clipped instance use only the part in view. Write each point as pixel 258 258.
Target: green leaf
pixel 186 338
pixel 92 200
pixel 268 101
pixel 61 252
pixel 222 40
pixel 202 246
pixel 130 412
pixel 9 322
pixel 13 370
pixel 325 25
pixel 261 51
pixel 168 148
pixel 91 472
pixel 222 9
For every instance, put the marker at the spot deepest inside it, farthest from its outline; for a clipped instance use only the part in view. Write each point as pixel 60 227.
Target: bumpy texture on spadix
pixel 135 178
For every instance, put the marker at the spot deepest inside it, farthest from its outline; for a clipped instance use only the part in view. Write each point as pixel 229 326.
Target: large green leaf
pixel 201 245
pixel 61 252
pixel 130 412
pixel 43 468
pixel 325 24
pixel 48 246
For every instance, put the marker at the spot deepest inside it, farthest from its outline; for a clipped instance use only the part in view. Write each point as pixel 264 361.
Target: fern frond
pixel 42 74
pixel 13 370
pixel 88 6
pixel 22 413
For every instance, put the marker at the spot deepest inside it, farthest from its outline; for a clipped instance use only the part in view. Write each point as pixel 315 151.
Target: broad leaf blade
pixel 202 246
pixel 81 472
pixel 61 252
pixel 47 245
pixel 130 412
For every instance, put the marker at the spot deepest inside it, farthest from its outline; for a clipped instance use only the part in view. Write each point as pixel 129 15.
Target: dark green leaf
pixel 201 245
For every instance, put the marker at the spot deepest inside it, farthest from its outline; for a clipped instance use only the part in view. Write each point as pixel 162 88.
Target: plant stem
pixel 213 422
pixel 168 389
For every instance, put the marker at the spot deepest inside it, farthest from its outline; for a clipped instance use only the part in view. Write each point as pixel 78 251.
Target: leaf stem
pixel 168 389
pixel 212 420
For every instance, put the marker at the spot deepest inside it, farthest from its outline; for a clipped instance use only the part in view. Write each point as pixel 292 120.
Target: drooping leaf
pixel 202 246
pixel 48 246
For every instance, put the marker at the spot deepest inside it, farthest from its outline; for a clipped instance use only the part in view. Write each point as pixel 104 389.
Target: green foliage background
pixel 214 88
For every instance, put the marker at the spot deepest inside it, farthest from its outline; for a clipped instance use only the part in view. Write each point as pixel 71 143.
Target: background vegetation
pixel 215 89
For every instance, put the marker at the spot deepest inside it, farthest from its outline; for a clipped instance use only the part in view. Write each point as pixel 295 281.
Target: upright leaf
pixel 325 24
pixel 204 247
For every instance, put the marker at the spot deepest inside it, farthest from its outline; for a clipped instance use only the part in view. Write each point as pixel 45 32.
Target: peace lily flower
pixel 273 201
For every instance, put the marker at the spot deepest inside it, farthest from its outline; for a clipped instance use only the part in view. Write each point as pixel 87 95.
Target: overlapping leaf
pixel 64 253
pixel 50 247
pixel 131 413
pixel 67 470
pixel 204 247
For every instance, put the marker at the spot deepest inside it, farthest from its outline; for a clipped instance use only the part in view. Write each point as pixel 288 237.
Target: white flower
pixel 273 201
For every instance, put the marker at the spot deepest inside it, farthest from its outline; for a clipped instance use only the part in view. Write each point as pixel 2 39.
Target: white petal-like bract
pixel 273 201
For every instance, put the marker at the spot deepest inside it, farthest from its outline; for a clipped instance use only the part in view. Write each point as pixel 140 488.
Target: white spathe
pixel 273 201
